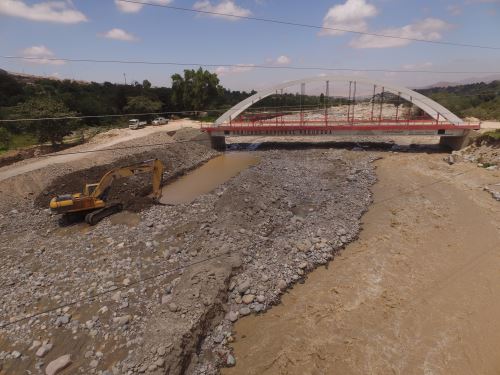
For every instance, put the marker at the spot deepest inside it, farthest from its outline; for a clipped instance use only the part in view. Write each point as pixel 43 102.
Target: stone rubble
pixel 234 252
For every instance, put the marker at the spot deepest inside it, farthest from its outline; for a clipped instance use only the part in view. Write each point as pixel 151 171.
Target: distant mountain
pixel 31 78
pixel 468 81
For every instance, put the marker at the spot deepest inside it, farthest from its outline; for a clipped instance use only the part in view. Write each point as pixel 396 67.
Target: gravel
pixel 232 252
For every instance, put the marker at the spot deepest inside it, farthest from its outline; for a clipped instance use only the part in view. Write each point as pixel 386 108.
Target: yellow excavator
pixel 91 204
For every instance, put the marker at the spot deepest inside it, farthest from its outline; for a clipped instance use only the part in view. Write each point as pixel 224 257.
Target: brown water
pixel 206 178
pixel 416 294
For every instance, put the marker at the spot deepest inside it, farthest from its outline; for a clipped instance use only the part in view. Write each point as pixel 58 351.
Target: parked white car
pixel 160 121
pixel 135 124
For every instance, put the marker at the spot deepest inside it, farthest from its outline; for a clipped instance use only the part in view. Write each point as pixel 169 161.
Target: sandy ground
pixel 489 125
pixel 102 141
pixel 416 294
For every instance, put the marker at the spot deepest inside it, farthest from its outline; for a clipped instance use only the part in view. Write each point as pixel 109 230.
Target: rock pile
pixel 159 294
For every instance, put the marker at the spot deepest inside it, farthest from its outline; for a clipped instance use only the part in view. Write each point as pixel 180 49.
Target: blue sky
pixel 109 29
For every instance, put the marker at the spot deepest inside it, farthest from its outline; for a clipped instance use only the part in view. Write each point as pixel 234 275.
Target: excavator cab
pixel 91 204
pixel 89 189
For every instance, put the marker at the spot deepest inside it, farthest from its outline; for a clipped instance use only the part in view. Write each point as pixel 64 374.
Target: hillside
pixel 480 100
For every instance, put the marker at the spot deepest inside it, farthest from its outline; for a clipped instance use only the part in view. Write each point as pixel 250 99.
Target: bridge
pixel 357 107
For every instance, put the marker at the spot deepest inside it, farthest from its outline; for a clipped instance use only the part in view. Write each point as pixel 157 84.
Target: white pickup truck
pixel 160 121
pixel 135 124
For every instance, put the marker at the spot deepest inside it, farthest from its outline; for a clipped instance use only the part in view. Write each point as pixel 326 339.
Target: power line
pixel 257 107
pixel 118 148
pixel 247 66
pixel 90 298
pixel 114 115
pixel 194 111
pixel 317 27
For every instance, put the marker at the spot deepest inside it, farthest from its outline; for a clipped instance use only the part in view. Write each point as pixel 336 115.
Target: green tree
pixel 5 138
pixel 48 129
pixel 146 84
pixel 196 90
pixel 142 104
pixel 10 89
pixel 120 99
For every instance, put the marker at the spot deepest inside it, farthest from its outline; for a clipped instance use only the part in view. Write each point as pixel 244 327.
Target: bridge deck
pixel 356 127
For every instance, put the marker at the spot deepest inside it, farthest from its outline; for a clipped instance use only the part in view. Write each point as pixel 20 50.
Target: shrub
pixel 5 138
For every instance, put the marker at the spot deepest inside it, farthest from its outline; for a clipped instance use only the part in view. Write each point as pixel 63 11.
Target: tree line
pixel 480 100
pixel 194 90
pixel 27 98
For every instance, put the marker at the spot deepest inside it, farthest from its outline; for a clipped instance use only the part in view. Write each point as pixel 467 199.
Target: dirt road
pixel 489 125
pixel 102 141
pixel 416 294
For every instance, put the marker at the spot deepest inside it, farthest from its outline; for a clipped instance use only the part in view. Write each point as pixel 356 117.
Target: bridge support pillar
pixel 457 143
pixel 218 142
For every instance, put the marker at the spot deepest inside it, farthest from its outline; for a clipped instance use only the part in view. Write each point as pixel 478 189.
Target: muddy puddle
pixel 206 178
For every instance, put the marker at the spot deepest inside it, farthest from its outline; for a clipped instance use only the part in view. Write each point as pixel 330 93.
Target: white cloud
pixel 428 29
pixel 454 9
pixel 351 15
pixel 47 11
pixel 126 7
pixel 240 68
pixel 424 65
pixel 280 60
pixel 42 54
pixel 283 60
pixel 225 6
pixel 119 34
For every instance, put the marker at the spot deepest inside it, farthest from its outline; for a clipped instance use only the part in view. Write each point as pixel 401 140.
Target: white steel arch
pixel 429 106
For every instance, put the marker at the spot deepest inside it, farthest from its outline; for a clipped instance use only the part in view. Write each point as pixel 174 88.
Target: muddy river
pixel 416 294
pixel 206 178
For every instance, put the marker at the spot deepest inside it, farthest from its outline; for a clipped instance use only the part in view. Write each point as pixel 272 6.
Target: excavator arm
pixel 154 166
pixel 92 202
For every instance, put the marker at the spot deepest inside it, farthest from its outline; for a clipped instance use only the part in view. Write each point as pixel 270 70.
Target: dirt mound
pixel 14 156
pixel 37 180
pixel 485 151
pixel 131 192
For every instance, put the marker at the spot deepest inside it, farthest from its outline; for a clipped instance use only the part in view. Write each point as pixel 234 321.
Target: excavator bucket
pixel 158 169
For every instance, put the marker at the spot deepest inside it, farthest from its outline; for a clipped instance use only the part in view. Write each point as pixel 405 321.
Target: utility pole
pixel 125 77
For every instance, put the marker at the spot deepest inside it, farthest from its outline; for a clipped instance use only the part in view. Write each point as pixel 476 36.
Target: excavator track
pixel 94 217
pixel 68 219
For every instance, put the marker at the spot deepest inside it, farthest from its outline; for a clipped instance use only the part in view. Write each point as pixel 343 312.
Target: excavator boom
pixel 155 166
pixel 92 202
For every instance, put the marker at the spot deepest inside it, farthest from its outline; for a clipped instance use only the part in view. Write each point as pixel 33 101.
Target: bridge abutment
pixel 457 143
pixel 218 142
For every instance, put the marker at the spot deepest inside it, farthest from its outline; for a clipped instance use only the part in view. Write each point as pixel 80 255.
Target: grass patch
pixel 495 134
pixel 19 141
pixel 207 118
pixel 489 138
pixel 23 140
